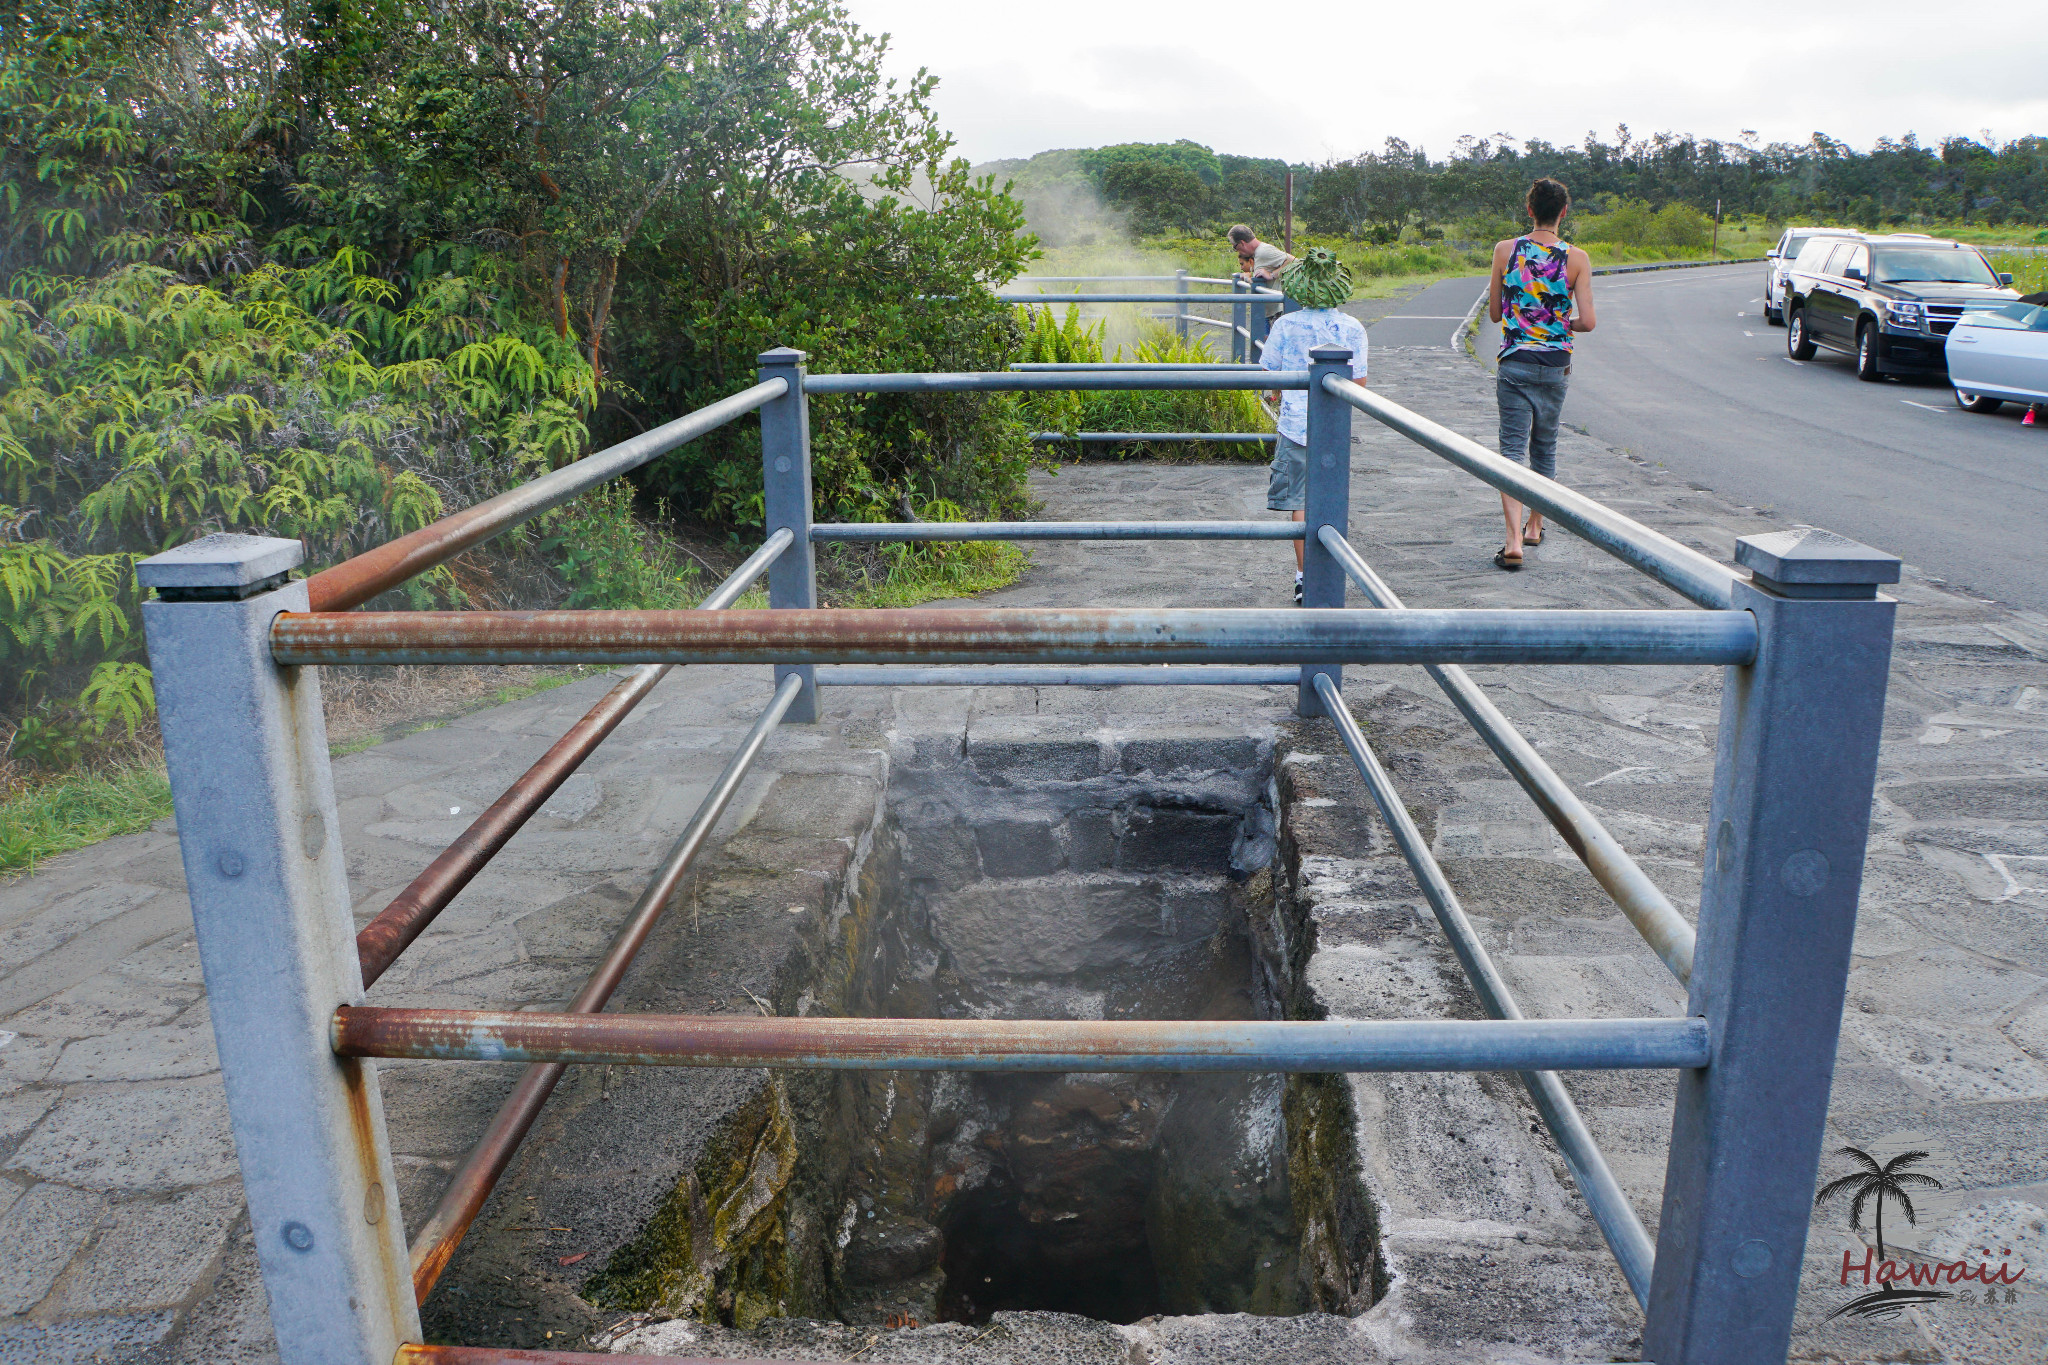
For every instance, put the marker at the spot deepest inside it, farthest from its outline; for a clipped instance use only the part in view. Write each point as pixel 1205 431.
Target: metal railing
pixel 1248 324
pixel 1805 641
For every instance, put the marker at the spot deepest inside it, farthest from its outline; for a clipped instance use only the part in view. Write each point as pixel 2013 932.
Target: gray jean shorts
pixel 1531 399
pixel 1287 491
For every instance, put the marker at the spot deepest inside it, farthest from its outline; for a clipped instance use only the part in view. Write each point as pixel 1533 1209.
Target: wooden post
pixel 1287 219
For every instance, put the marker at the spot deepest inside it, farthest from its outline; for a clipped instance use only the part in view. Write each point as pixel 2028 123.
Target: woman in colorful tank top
pixel 1541 293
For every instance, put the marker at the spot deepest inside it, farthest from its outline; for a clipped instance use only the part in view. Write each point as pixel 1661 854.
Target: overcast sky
pixel 1331 82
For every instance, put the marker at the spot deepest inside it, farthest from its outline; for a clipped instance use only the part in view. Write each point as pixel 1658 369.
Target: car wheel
pixel 1775 316
pixel 1977 402
pixel 1866 354
pixel 1797 344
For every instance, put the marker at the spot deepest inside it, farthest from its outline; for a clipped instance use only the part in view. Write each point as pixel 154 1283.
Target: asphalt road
pixel 1684 371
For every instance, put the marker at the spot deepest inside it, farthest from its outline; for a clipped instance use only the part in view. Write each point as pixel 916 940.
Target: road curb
pixel 1674 265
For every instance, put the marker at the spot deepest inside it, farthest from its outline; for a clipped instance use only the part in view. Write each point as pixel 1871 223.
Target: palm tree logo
pixel 1868 1187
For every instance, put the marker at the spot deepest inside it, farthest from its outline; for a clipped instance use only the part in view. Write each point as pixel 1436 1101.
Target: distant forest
pixel 1186 187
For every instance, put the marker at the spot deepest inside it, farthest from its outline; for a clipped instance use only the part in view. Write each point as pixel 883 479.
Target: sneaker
pixel 1297 592
pixel 2028 420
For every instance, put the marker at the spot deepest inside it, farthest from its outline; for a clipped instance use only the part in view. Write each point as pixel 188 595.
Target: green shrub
pixel 614 562
pixel 1683 227
pixel 1234 410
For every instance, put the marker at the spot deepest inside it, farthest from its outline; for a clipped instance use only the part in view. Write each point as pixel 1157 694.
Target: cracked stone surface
pixel 120 1206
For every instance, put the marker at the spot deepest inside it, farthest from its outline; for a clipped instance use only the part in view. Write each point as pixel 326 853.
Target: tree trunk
pixel 561 298
pixel 600 311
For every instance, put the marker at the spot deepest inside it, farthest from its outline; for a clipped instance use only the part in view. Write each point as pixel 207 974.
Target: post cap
pixel 782 355
pixel 1330 355
pixel 1810 562
pixel 221 565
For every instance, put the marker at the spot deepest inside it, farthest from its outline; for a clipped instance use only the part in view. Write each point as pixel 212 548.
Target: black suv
pixel 1889 301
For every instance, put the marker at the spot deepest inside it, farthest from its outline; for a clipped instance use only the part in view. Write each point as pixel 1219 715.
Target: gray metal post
pixel 247 749
pixel 1328 504
pixel 786 486
pixel 1239 345
pixel 1793 775
pixel 1180 310
pixel 1261 321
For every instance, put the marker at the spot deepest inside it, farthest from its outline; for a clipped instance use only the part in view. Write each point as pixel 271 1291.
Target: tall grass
pixel 1072 340
pixel 77 809
pixel 2029 269
pixel 906 573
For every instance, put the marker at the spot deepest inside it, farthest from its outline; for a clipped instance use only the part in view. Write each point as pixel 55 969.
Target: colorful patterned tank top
pixel 1536 301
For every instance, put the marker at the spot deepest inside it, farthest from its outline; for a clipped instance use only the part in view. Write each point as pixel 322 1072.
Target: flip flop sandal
pixel 1501 561
pixel 1528 540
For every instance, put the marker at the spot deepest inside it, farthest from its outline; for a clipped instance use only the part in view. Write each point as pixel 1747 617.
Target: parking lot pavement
pixel 119 1200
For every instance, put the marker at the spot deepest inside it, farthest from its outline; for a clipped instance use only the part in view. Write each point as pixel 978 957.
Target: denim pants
pixel 1531 397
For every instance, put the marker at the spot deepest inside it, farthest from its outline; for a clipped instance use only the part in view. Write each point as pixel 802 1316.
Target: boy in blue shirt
pixel 1320 283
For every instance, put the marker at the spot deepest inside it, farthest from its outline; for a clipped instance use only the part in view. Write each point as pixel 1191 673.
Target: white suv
pixel 1778 265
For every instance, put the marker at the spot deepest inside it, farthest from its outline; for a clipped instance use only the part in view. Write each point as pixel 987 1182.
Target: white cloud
pixel 1309 85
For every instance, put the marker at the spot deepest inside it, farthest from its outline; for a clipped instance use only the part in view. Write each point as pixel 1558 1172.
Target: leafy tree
pixel 329 271
pixel 1158 194
pixel 1191 157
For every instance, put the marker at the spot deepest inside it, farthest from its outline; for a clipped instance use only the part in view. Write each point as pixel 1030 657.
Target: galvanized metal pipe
pixel 1017 635
pixel 379 943
pixel 1054 299
pixel 416 1354
pixel 1090 379
pixel 855 675
pixel 355 581
pixel 1130 437
pixel 729 1040
pixel 1055 366
pixel 1641 899
pixel 1122 279
pixel 1685 571
pixel 1624 1231
pixel 1056 530
pixel 1094 279
pixel 478 1175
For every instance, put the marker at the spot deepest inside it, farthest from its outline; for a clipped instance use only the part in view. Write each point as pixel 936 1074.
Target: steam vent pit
pixel 1075 853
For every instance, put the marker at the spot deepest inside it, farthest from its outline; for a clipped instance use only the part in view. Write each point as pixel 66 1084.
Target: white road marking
pixel 1742 315
pixel 1456 342
pixel 1924 407
pixel 1790 361
pixel 1749 334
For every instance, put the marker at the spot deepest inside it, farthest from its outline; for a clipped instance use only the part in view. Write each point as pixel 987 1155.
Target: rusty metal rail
pixel 414 1353
pixel 356 581
pixel 1023 1045
pixel 1807 638
pixel 1021 635
pixel 380 942
pixel 479 1172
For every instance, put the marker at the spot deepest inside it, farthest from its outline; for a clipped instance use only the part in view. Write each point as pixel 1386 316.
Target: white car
pixel 2000 355
pixel 1778 264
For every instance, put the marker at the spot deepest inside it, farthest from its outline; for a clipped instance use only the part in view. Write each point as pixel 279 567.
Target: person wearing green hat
pixel 1321 284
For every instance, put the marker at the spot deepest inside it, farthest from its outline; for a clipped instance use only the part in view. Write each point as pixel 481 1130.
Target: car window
pixel 1925 265
pixel 1838 258
pixel 2014 317
pixel 1859 259
pixel 1814 254
pixel 1794 244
